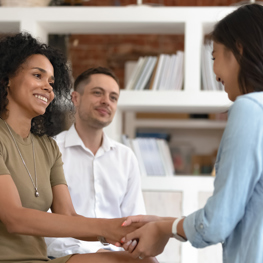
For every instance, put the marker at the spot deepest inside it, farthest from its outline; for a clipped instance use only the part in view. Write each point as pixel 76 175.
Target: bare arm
pixel 63 223
pixel 62 204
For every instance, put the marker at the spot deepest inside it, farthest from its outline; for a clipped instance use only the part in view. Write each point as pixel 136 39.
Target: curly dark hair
pixel 14 51
pixel 244 28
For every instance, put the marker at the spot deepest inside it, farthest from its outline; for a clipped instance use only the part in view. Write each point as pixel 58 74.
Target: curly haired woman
pixel 34 82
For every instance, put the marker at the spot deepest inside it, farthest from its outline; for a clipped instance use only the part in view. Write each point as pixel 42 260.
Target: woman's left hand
pixel 151 238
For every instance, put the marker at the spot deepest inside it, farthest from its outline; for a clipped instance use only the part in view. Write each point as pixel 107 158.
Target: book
pixel 147 86
pixel 146 73
pixel 136 74
pixel 158 73
pixel 166 157
pixel 146 155
pixel 171 73
pixel 136 149
pixel 203 69
pixel 153 74
pixel 180 71
pixel 163 77
pixel 129 68
pixel 155 157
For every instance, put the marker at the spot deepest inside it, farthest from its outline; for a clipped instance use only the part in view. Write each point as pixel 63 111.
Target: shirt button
pixel 201 226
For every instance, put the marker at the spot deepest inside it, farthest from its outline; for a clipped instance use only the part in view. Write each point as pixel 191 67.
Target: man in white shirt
pixel 103 175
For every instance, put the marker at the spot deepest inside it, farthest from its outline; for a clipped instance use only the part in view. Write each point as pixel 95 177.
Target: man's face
pixel 98 103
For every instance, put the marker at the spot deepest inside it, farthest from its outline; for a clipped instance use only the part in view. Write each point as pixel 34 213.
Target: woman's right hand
pixel 149 240
pixel 113 229
pixel 134 222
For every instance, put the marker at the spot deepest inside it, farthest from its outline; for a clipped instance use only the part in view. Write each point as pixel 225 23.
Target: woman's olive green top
pixel 24 248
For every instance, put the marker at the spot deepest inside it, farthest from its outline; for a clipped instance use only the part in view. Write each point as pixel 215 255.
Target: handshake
pixel 143 235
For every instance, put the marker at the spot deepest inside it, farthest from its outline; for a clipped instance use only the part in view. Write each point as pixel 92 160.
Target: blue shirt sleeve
pixel 238 169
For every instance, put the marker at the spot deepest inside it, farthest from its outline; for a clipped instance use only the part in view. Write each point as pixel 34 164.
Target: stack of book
pixel 208 76
pixel 153 155
pixel 164 72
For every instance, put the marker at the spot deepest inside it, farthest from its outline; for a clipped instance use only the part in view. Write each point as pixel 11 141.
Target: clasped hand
pixel 113 230
pixel 148 240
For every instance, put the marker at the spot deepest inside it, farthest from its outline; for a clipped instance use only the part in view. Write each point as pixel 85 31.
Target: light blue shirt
pixel 234 214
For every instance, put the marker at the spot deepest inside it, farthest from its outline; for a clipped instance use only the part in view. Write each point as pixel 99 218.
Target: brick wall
pixel 113 51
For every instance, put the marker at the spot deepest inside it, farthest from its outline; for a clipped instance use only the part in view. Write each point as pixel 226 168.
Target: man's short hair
pixel 84 77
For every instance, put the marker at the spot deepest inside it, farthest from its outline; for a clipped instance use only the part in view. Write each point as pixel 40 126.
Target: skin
pixel 226 69
pixel 35 77
pixel 155 233
pixel 95 108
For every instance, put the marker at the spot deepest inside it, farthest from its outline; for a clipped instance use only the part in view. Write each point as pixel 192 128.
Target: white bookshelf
pixel 194 23
pixel 192 101
pixel 132 123
pixel 181 124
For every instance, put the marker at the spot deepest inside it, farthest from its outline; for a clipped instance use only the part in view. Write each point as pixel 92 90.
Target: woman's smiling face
pixel 226 69
pixel 30 89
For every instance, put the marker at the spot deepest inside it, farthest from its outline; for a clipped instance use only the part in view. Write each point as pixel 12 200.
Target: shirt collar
pixel 72 139
pixel 107 143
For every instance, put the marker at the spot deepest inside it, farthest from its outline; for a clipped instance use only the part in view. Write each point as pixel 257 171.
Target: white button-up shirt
pixel 106 185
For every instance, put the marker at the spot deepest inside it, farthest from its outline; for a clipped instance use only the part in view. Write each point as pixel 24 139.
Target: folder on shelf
pixel 162 73
pixel 136 74
pixel 204 71
pixel 151 156
pixel 166 157
pixel 154 73
pixel 146 155
pixel 159 70
pixel 171 74
pixel 137 151
pixel 163 76
pixel 146 73
pixel 180 71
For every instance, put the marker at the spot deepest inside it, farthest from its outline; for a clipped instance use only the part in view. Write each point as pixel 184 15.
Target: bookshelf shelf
pixel 174 101
pixel 177 183
pixel 180 124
